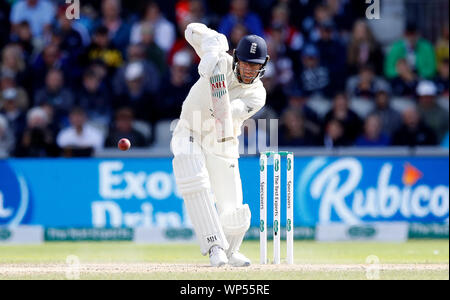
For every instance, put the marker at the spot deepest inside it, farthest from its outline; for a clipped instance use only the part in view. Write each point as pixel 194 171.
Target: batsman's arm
pixel 205 40
pixel 244 109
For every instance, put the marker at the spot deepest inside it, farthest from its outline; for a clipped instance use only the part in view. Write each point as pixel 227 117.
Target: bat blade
pixel 221 106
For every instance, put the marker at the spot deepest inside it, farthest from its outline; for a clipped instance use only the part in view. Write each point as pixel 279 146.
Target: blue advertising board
pixel 136 192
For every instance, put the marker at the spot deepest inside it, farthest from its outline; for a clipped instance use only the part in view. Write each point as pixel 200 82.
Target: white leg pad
pixel 235 224
pixel 194 185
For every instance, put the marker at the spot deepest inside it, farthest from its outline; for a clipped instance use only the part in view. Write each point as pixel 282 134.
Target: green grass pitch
pixel 419 259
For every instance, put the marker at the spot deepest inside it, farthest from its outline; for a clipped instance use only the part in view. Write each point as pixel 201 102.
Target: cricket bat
pixel 221 106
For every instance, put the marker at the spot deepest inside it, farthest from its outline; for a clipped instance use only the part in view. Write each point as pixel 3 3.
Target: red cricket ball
pixel 124 144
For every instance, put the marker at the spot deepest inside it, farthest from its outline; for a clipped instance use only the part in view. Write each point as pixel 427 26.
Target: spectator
pixel 153 52
pixel 299 10
pixel 136 94
pixel 80 139
pixel 413 131
pixel 71 40
pixel 342 13
pixel 197 12
pixel 24 39
pixel 373 134
pixel 118 30
pixel 50 58
pixel 442 46
pixel 405 83
pixel 12 60
pixel 390 118
pixel 93 98
pixel 350 122
pixel 432 114
pixel 101 70
pixel 56 95
pixel 6 136
pixel 417 52
pixel 442 79
pixel 193 10
pixel 280 55
pixel 276 97
pixel 7 82
pixel 302 14
pixel 102 50
pixel 38 13
pixel 87 21
pixel 365 84
pixel 293 130
pixel 151 76
pixel 14 65
pixel 239 13
pixel 164 30
pixel 291 37
pixel 181 44
pixel 72 74
pixel 175 87
pixel 309 43
pixel 53 125
pixel 12 112
pixel 297 101
pixel 182 9
pixel 310 25
pixel 334 135
pixel 84 25
pixel 37 140
pixel 363 49
pixel 237 33
pixel 123 128
pixel 332 53
pixel 5 10
pixel 314 78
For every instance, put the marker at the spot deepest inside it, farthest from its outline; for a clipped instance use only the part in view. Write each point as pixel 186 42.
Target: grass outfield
pixel 126 260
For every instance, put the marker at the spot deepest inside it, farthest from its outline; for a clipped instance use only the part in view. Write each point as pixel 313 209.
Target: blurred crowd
pixel 70 87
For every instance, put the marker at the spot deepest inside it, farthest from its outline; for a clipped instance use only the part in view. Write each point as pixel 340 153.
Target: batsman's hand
pixel 212 63
pixel 207 64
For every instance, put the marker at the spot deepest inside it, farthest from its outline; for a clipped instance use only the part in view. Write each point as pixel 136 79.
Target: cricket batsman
pixel 205 144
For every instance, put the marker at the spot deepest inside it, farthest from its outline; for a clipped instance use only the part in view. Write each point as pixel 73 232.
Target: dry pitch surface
pixel 412 260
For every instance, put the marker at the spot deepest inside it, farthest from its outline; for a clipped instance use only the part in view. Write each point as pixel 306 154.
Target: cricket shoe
pixel 238 260
pixel 217 256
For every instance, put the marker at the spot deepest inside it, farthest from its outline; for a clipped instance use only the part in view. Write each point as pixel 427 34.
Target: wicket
pixel 276 206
